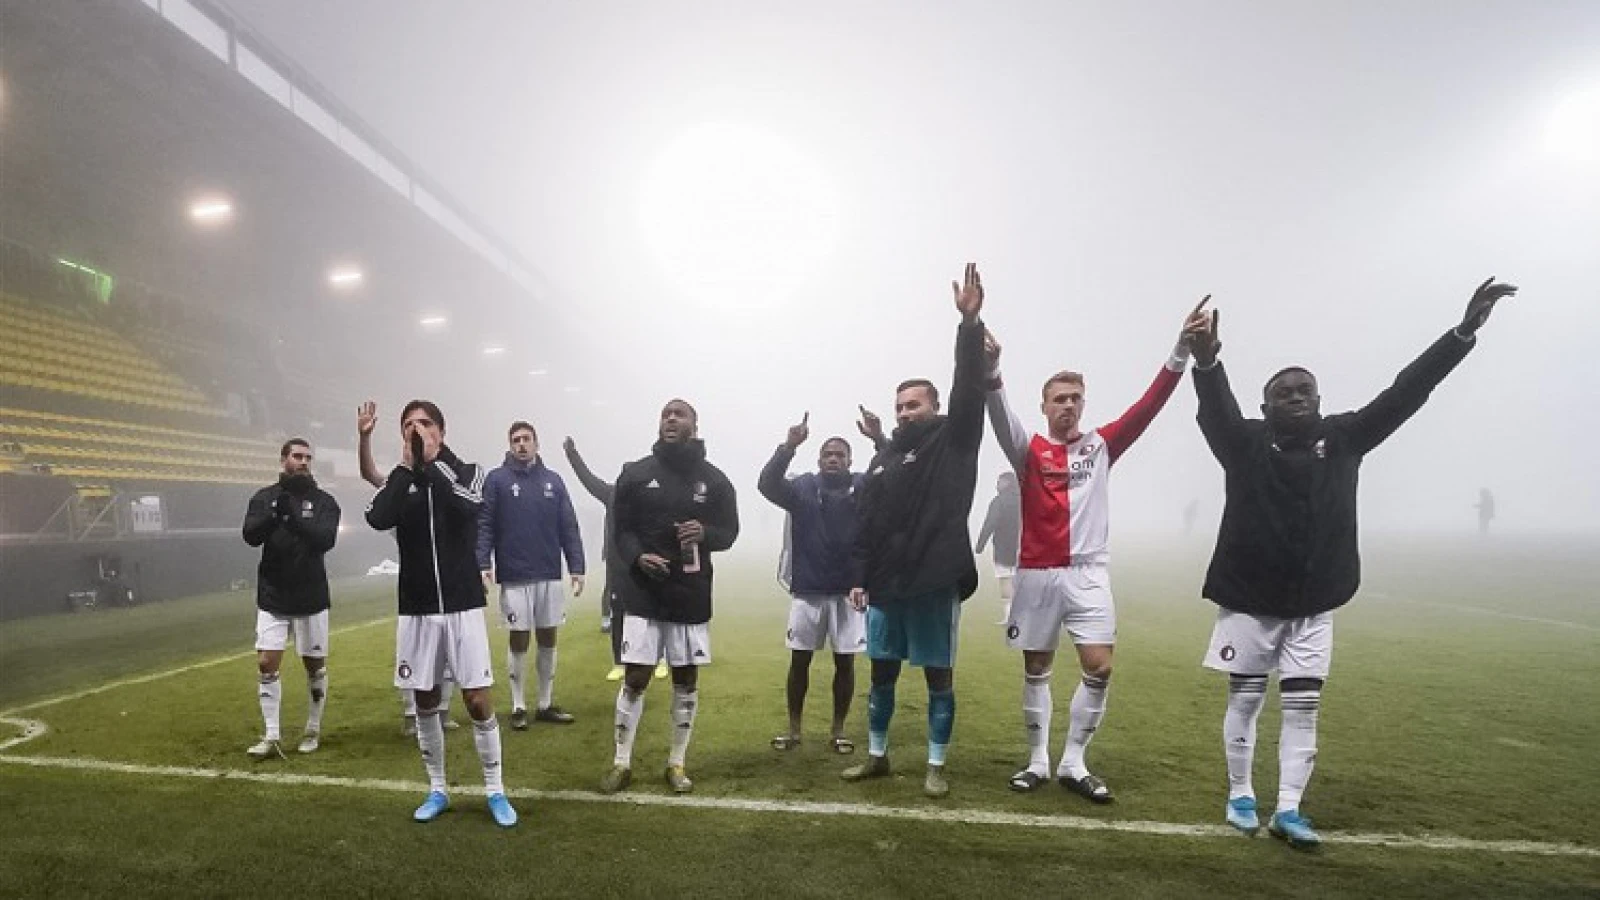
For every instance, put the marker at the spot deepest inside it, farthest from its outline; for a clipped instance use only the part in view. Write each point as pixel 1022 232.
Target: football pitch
pixel 1459 756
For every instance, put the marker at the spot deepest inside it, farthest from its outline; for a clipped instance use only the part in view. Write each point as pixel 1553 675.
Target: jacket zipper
pixel 433 546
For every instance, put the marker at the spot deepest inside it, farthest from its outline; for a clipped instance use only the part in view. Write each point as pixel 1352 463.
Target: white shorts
pixel 533 604
pixel 1077 598
pixel 1001 570
pixel 310 633
pixel 425 647
pixel 644 641
pixel 1242 644
pixel 818 619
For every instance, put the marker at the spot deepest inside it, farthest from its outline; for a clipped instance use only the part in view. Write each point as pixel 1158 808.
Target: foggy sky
pixel 1339 176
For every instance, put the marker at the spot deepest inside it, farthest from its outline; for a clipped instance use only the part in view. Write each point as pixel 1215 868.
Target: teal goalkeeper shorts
pixel 921 630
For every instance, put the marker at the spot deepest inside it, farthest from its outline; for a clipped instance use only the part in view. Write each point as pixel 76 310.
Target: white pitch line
pixel 1476 610
pixel 157 676
pixel 806 808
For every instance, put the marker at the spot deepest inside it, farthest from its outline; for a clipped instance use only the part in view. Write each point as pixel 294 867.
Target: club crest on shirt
pixel 516 490
pixel 549 490
pixel 699 492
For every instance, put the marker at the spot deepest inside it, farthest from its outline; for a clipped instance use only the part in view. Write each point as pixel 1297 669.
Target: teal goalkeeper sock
pixel 880 709
pixel 941 722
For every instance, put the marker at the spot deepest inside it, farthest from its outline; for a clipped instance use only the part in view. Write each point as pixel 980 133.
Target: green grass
pixel 1434 721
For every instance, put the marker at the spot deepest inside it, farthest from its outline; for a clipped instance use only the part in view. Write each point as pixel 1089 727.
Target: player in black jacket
pixel 294 523
pixel 432 500
pixel 673 510
pixel 1286 553
pixel 913 556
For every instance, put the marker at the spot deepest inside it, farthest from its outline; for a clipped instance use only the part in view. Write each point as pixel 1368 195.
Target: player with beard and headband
pixel 295 524
pixel 1063 577
pixel 912 560
pixel 432 501
pixel 821 529
pixel 1287 554
pixel 673 511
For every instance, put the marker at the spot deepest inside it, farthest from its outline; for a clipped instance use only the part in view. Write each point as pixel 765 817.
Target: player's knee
pixel 885 672
pixel 799 660
pixel 939 679
pixel 546 637
pixel 685 677
pixel 1036 664
pixel 1097 675
pixel 844 663
pixel 637 679
pixel 1299 684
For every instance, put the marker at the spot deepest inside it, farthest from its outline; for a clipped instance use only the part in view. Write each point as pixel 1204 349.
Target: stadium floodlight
pixel 570 389
pixel 493 350
pixel 211 210
pixel 538 373
pixel 433 321
pixel 345 276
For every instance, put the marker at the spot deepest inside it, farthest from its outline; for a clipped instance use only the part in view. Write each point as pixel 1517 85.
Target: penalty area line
pixel 811 808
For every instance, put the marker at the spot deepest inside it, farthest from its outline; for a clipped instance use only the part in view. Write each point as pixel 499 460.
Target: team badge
pixel 1227 653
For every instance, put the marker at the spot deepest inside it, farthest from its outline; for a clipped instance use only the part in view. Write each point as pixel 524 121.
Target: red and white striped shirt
pixel 1066 517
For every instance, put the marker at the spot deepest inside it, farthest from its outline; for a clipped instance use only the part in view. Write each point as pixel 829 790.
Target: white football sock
pixel 545 662
pixel 629 707
pixel 486 735
pixel 1037 703
pixel 430 737
pixel 1297 745
pixel 1246 695
pixel 1088 708
pixel 685 703
pixel 271 696
pixel 516 670
pixel 317 686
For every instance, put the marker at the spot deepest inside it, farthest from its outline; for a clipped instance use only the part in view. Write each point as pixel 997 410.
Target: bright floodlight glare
pixel 432 321
pixel 211 209
pixel 345 276
pixel 570 389
pixel 539 372
pixel 1574 128
pixel 737 216
pixel 493 350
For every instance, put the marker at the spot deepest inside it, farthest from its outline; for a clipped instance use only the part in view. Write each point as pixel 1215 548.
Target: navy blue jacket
pixel 822 524
pixel 527 524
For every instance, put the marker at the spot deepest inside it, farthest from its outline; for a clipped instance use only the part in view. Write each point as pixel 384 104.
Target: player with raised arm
pixel 1287 554
pixel 612 595
pixel 366 421
pixel 432 501
pixel 821 526
pixel 912 560
pixel 295 524
pixel 1063 578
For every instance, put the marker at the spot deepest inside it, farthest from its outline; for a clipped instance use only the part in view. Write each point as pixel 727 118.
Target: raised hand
pixel 1482 304
pixel 969 293
pixel 870 426
pixel 1197 317
pixel 366 418
pixel 569 446
pixel 799 433
pixel 1201 333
